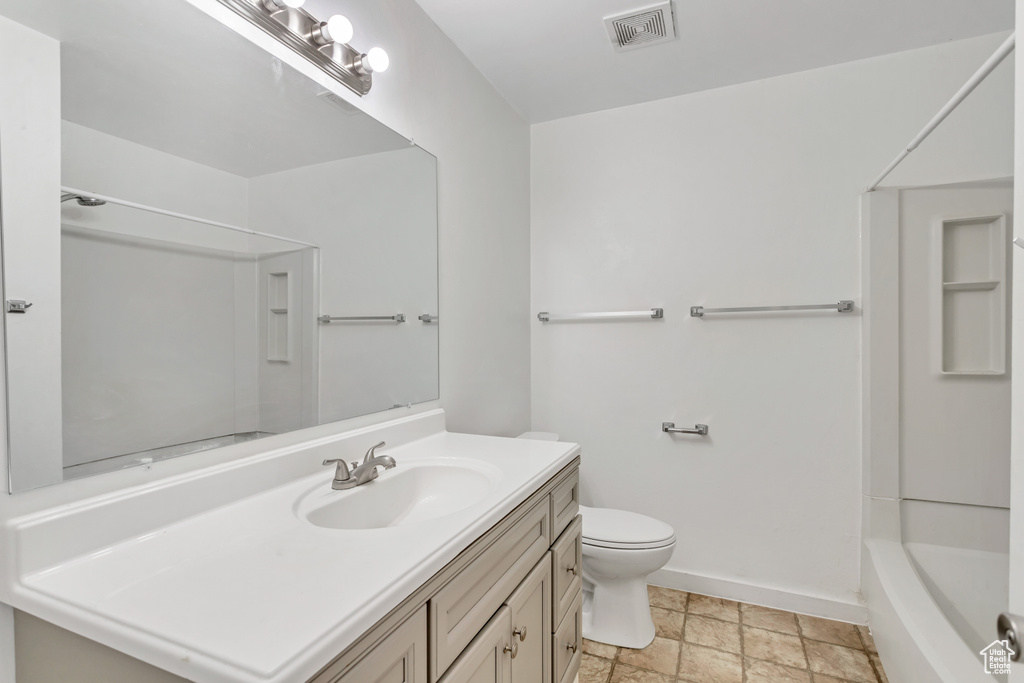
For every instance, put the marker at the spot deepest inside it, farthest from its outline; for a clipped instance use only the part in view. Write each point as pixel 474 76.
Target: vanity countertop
pixel 250 590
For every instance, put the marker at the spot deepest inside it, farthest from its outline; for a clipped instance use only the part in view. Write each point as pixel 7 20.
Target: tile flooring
pixel 710 640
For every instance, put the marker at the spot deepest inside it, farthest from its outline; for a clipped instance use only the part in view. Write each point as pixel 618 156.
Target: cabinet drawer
pixel 567 553
pixel 565 502
pixel 567 642
pixel 461 608
pixel 399 658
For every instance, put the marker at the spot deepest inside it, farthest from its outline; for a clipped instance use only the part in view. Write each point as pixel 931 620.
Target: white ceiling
pixel 166 76
pixel 552 59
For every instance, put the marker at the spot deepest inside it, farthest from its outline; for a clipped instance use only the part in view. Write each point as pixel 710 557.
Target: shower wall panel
pixel 955 428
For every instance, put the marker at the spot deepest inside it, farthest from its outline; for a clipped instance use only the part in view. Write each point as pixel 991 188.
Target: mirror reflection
pixel 232 263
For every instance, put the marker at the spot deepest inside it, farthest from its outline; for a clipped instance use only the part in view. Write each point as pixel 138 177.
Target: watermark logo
pixel 997 657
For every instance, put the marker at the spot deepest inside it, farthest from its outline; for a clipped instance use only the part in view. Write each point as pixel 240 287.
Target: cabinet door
pixel 399 658
pixel 568 642
pixel 530 606
pixel 487 658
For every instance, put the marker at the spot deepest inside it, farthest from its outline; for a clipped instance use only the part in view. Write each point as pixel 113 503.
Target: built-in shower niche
pixel 969 303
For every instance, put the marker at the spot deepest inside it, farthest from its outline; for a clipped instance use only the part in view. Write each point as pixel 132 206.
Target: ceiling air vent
pixel 641 27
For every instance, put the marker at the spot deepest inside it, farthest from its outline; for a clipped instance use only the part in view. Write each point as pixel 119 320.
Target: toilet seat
pixel 623 530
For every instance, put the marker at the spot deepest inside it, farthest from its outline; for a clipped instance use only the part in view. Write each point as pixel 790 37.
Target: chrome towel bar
pixel 427 318
pixel 844 306
pixel 545 317
pixel 325 319
pixel 671 427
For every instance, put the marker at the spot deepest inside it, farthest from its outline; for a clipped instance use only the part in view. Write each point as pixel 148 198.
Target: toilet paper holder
pixel 671 427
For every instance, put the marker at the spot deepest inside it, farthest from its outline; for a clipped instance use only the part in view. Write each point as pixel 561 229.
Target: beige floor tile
pixel 768 618
pixel 716 608
pixel 835 632
pixel 869 642
pixel 878 667
pixel 594 669
pixel 592 647
pixel 818 678
pixel 778 648
pixel 703 665
pixel 662 656
pixel 839 662
pixel 721 635
pixel 668 623
pixel 630 674
pixel 766 672
pixel 667 598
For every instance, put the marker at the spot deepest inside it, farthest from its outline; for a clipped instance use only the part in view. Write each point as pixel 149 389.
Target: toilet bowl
pixel 620 550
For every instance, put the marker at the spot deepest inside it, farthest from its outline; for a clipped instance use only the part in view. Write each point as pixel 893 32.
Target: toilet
pixel 620 550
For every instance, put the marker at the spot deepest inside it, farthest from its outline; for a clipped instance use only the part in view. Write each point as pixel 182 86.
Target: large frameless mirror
pixel 238 253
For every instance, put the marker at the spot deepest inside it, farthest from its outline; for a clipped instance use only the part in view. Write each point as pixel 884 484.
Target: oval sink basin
pixel 408 494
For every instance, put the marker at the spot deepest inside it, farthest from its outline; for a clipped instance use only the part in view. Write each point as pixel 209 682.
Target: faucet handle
pixel 341 473
pixel 370 453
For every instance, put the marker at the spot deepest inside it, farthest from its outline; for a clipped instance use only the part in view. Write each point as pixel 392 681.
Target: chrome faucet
pixel 359 474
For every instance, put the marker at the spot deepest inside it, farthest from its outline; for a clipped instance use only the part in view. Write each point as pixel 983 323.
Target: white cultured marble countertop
pixel 251 591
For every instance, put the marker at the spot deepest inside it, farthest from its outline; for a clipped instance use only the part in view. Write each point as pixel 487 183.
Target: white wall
pixel 378 256
pixel 149 295
pixel 745 195
pixel 30 179
pixel 433 94
pixel 148 346
pixel 483 218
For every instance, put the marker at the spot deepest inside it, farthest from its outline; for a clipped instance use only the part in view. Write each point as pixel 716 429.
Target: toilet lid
pixel 621 529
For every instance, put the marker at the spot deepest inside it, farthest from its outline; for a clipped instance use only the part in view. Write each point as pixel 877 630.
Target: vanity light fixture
pixel 323 43
pixel 278 5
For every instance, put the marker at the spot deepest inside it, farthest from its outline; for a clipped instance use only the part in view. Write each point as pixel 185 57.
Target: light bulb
pixel 339 29
pixel 377 59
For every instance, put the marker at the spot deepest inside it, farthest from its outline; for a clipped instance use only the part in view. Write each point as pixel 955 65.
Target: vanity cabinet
pixel 508 609
pixel 511 592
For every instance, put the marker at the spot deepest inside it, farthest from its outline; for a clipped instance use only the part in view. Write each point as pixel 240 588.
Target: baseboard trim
pixel 814 606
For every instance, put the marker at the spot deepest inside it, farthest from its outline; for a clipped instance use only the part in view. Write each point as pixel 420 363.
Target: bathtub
pixel 916 639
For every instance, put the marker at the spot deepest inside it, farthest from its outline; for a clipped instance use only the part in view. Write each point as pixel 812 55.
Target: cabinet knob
pixel 572 569
pixel 571 646
pixel 514 649
pixel 521 632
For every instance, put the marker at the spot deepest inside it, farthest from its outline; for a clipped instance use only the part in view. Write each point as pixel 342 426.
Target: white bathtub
pixel 916 639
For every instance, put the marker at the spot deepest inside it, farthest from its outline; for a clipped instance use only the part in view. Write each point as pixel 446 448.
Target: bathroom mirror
pixel 212 210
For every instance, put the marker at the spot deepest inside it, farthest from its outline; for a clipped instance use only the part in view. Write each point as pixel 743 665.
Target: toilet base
pixel 623 613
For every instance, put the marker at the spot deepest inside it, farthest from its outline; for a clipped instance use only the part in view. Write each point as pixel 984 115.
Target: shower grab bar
pixel 183 216
pixel 844 306
pixel 545 317
pixel 325 319
pixel 670 427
